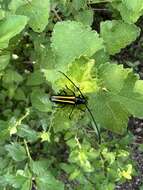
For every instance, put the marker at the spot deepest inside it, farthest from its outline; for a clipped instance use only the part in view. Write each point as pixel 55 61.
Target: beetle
pixel 75 101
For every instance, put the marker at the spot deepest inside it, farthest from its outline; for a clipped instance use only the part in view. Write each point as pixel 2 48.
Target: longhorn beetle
pixel 74 100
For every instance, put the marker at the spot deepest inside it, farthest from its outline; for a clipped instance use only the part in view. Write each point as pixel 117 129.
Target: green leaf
pixel 4 61
pixel 16 151
pixel 114 91
pixel 101 57
pixel 15 4
pixel 111 118
pixel 37 12
pixel 80 156
pixel 15 181
pixel 35 78
pixel 85 17
pixel 4 128
pixel 108 156
pixel 79 73
pixel 12 76
pixel 127 172
pixel 120 96
pixel 12 125
pixel 19 95
pixel 11 26
pixel 60 119
pixel 79 4
pixel 28 133
pixel 80 41
pixel 22 180
pixel 39 167
pixel 47 58
pixel 130 10
pixel 2 14
pixel 134 5
pixel 45 136
pixel 41 101
pixel 117 35
pixel 27 185
pixel 47 181
pixel 3 163
pixel 75 174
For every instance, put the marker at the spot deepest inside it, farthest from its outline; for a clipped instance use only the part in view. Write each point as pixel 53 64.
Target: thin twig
pixel 23 117
pixel 56 14
pixel 96 9
pixel 27 150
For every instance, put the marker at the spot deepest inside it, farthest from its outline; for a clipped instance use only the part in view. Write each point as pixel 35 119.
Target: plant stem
pixel 27 150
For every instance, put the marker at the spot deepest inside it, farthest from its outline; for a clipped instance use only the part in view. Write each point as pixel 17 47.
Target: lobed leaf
pixel 16 151
pixel 35 78
pixel 130 10
pixel 11 76
pixel 37 12
pixel 78 40
pixel 21 180
pixel 15 4
pixel 120 96
pixel 2 14
pixel 26 132
pixel 47 181
pixel 114 91
pixel 10 26
pixel 4 128
pixel 117 35
pixel 80 4
pixel 41 101
pixel 60 119
pixel 85 17
pixel 4 61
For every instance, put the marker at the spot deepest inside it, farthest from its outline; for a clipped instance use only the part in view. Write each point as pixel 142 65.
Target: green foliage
pixel 40 147
pixel 35 79
pixel 118 35
pixel 4 61
pixel 48 181
pixel 2 14
pixel 16 151
pixel 26 132
pixel 111 164
pixel 38 14
pixel 85 17
pixel 10 26
pixel 79 4
pixel 130 10
pixel 80 41
pixel 120 90
pixel 40 101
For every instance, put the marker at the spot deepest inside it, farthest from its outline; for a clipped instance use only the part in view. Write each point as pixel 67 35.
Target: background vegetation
pixel 98 44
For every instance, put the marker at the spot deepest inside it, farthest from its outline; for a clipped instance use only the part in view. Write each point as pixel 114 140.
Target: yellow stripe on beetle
pixel 64 97
pixel 62 101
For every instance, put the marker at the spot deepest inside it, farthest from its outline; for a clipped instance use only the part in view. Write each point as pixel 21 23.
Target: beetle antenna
pixel 73 84
pixel 95 123
pixel 99 136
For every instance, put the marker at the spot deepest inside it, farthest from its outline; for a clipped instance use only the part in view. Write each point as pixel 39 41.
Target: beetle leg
pixel 70 90
pixel 62 92
pixel 72 111
pixel 83 110
pixel 58 106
